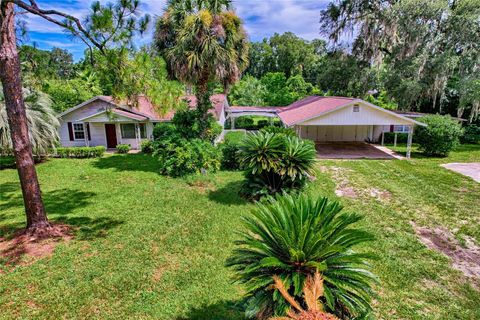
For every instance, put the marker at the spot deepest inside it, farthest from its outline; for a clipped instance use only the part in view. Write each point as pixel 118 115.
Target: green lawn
pixel 149 246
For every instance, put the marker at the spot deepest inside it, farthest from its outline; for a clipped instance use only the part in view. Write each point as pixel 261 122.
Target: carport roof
pixel 310 107
pixel 315 106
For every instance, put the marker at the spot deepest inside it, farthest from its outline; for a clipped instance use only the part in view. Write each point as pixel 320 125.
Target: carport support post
pixel 395 140
pixel 409 141
pixel 232 120
pixel 383 137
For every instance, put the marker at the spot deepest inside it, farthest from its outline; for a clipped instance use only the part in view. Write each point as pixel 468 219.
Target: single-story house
pixel 101 121
pixel 335 119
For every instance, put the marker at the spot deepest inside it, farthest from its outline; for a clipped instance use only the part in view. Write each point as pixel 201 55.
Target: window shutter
pixel 88 131
pixel 70 131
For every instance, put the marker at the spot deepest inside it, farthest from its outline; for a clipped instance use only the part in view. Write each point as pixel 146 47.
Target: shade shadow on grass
pixel 222 310
pixel 228 194
pixel 60 201
pixel 59 204
pixel 128 162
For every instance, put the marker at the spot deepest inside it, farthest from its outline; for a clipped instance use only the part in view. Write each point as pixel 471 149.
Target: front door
pixel 111 134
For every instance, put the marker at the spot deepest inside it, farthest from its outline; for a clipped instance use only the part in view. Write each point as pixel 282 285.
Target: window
pixel 129 131
pixel 356 108
pixel 78 132
pixel 400 129
pixel 143 130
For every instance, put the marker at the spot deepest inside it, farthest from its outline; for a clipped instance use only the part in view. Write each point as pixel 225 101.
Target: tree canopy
pixel 419 47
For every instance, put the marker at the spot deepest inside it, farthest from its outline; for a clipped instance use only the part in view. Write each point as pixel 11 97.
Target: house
pixel 334 119
pixel 101 121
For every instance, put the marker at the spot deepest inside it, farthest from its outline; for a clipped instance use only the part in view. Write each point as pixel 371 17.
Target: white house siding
pixel 346 125
pixel 97 126
pixel 365 116
pixel 96 133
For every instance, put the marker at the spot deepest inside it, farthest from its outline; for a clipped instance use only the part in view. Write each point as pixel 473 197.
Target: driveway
pixel 471 170
pixel 353 150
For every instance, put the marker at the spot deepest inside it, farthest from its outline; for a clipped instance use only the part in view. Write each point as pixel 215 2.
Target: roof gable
pixel 311 107
pixel 106 99
pixel 116 114
pixel 316 110
pixel 145 108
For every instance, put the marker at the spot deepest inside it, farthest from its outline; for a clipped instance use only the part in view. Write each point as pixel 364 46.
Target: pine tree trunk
pixel 17 120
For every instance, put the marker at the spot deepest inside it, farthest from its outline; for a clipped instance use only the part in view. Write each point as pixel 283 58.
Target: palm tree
pixel 293 237
pixel 202 43
pixel 42 123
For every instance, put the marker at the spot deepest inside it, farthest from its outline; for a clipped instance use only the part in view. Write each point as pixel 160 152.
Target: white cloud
pixel 262 18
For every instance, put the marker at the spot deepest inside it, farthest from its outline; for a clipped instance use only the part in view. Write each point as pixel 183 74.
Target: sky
pixel 262 18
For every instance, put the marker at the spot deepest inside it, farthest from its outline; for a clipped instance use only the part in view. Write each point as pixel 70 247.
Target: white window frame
pixel 401 128
pixel 75 130
pixel 134 130
pixel 144 125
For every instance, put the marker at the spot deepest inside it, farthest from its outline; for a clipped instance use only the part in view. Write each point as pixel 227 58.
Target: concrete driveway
pixel 471 170
pixel 353 150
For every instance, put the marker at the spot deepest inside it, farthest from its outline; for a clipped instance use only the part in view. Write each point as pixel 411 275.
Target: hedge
pixel 123 148
pixel 79 152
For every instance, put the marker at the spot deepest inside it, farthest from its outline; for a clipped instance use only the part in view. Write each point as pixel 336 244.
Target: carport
pixel 353 150
pixel 345 124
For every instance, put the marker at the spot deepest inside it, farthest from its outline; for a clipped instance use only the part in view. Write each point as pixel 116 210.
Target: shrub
pixel 188 126
pixel 262 123
pixel 123 148
pixel 213 132
pixel 389 137
pixel 163 131
pixel 79 152
pixel 244 122
pixel 147 146
pixel 275 163
pixel 181 157
pixel 293 237
pixel 230 156
pixel 440 136
pixel 471 134
pixel 274 129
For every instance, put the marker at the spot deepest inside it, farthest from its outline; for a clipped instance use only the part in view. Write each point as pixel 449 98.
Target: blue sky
pixel 262 18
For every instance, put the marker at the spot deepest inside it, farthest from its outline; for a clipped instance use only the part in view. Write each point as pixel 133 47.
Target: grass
pixel 149 246
pixel 234 136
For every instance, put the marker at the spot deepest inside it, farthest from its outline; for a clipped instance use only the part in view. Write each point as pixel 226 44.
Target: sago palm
pixel 292 237
pixel 202 42
pixel 313 290
pixel 275 162
pixel 42 123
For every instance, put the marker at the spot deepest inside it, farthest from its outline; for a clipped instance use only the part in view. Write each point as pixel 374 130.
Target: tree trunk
pixel 203 106
pixel 17 120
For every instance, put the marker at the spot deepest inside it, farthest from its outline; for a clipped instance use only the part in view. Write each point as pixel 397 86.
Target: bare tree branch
pixel 71 23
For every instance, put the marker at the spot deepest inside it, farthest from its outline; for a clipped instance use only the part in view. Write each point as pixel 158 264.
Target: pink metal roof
pixel 129 114
pixel 217 101
pixel 310 107
pixel 146 110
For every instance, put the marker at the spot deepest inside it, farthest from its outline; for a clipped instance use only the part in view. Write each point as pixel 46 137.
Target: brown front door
pixel 111 135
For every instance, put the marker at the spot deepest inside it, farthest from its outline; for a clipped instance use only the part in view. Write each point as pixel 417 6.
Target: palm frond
pixel 42 123
pixel 294 237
